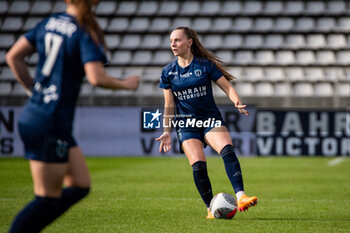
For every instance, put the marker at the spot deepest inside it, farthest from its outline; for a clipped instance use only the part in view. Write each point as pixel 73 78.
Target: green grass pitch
pixel 158 195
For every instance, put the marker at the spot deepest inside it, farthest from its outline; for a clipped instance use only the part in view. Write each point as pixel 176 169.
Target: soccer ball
pixel 223 205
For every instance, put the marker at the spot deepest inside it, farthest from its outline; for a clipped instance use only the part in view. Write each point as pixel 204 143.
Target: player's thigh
pixel 78 172
pixel 217 138
pixel 48 177
pixel 193 149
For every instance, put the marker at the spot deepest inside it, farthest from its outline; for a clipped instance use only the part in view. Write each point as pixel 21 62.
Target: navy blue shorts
pixel 45 146
pixel 184 134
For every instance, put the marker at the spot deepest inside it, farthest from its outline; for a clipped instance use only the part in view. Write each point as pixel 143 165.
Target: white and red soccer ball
pixel 223 206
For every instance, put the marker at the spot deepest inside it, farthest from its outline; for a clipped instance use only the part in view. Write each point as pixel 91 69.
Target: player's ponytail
pixel 198 50
pixel 86 18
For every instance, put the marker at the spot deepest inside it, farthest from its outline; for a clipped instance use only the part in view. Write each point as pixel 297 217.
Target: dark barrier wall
pixel 303 133
pixel 120 131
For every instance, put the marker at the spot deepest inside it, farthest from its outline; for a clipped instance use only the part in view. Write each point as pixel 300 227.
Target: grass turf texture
pixel 158 195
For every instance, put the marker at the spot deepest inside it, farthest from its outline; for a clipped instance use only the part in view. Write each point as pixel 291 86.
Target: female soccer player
pixel 186 83
pixel 70 45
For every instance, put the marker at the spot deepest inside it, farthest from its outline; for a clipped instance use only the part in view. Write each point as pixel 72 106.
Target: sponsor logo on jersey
pixel 191 93
pixel 50 93
pixel 186 75
pixel 172 73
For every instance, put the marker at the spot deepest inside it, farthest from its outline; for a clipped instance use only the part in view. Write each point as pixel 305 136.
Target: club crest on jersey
pixel 198 73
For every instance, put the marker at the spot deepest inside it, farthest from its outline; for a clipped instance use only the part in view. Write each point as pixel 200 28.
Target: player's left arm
pixel 15 60
pixel 229 90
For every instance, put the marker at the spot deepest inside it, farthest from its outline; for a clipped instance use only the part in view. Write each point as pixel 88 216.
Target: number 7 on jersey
pixel 52 46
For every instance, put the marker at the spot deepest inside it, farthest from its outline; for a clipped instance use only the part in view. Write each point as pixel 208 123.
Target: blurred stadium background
pixel 286 54
pixel 292 60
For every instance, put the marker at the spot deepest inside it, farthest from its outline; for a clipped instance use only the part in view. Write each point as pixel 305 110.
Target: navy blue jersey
pixel 63 47
pixel 192 87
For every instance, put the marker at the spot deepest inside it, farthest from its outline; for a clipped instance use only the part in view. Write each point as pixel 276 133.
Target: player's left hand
pixel 132 82
pixel 241 107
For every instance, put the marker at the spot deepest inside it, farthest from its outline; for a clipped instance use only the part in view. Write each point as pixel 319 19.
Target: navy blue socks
pixel 70 196
pixel 233 169
pixel 202 181
pixel 35 215
pixel 43 210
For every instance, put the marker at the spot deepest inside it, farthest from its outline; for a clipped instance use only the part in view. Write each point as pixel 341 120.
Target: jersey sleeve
pixel 214 72
pixel 31 35
pixel 90 51
pixel 164 82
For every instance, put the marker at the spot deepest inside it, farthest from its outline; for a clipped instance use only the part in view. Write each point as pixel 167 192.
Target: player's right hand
pixel 132 82
pixel 165 142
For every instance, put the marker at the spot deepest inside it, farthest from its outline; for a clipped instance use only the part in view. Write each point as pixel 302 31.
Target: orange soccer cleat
pixel 210 215
pixel 245 202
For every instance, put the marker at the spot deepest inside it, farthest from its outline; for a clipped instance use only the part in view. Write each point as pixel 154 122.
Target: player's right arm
pixel 97 76
pixel 169 110
pixel 15 60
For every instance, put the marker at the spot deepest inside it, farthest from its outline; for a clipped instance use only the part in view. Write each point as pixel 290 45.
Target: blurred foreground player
pixel 186 84
pixel 70 45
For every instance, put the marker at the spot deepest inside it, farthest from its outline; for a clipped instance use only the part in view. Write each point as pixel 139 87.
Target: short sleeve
pixel 214 72
pixel 164 82
pixel 31 35
pixel 90 51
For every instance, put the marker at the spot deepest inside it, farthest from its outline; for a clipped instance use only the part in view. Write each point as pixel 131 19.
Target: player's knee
pixel 82 181
pixel 228 152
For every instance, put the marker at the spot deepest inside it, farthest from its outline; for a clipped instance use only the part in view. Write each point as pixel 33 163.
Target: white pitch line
pixel 335 161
